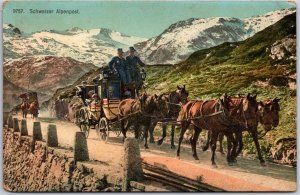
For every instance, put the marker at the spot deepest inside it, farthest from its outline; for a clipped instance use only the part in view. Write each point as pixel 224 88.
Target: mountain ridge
pixel 184 37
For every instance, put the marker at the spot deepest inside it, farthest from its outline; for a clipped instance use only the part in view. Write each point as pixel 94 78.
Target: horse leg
pixel 137 129
pixel 146 129
pixel 239 137
pixel 231 144
pixel 255 139
pixel 221 137
pixel 151 130
pixel 184 126
pixel 164 126
pixel 229 147
pixel 213 145
pixel 123 130
pixel 194 141
pixel 124 127
pixel 208 138
pixel 172 137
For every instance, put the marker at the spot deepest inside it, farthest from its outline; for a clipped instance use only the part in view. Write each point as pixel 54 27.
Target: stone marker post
pixel 52 139
pixel 37 131
pixel 10 122
pixel 81 152
pixel 132 163
pixel 5 117
pixel 16 125
pixel 24 131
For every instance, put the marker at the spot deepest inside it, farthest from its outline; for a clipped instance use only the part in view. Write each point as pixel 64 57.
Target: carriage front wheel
pixel 103 129
pixel 84 122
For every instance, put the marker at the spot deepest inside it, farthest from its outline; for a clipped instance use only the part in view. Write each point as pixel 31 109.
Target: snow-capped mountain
pixel 94 46
pixel 181 39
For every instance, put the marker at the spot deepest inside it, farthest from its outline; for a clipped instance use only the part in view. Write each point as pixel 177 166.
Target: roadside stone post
pixel 132 163
pixel 52 139
pixel 37 131
pixel 81 152
pixel 16 125
pixel 10 121
pixel 5 117
pixel 24 130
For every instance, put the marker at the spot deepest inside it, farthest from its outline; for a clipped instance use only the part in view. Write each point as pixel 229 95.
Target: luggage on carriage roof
pixel 106 73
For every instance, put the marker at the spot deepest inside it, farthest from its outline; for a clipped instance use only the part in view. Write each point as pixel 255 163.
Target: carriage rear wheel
pixel 103 129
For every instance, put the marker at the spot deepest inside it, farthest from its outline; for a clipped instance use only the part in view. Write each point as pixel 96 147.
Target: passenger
pixel 133 61
pixel 95 107
pixel 119 66
pixel 88 100
pixel 83 92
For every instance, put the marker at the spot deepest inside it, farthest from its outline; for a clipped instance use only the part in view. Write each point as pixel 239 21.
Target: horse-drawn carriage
pixel 101 111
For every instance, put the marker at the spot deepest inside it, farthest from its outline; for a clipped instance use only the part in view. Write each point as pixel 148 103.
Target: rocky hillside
pixel 183 38
pixel 94 46
pixel 10 95
pixel 44 74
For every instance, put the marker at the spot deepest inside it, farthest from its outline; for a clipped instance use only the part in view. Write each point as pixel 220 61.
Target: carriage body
pixel 110 94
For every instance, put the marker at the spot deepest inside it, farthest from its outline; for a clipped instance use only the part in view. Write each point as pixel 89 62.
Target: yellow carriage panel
pixel 111 109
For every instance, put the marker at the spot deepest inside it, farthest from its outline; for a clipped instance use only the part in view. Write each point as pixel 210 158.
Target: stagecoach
pixel 30 104
pixel 111 92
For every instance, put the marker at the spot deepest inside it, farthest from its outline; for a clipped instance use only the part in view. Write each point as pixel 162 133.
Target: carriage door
pixel 102 90
pixel 114 90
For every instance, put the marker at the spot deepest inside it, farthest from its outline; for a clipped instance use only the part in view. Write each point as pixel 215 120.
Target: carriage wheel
pixel 104 129
pixel 84 126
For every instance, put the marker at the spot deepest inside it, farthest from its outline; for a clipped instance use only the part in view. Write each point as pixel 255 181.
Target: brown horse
pixel 33 108
pixel 268 116
pixel 269 113
pixel 139 112
pixel 24 108
pixel 175 100
pixel 225 115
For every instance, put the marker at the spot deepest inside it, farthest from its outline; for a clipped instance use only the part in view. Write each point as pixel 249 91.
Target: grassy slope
pixel 236 68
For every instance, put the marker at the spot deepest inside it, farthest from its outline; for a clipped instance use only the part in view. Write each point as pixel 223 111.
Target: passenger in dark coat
pixel 133 61
pixel 119 66
pixel 83 92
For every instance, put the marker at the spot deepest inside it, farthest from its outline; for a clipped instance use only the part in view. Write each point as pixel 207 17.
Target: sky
pixel 137 18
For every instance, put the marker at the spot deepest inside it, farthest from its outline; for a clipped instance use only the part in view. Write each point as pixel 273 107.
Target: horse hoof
pixel 159 142
pixel 146 147
pixel 196 158
pixel 263 163
pixel 204 149
pixel 173 147
pixel 178 157
pixel 152 141
pixel 214 166
pixel 230 163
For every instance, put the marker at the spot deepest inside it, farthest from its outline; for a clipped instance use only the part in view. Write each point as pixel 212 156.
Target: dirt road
pixel 272 177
